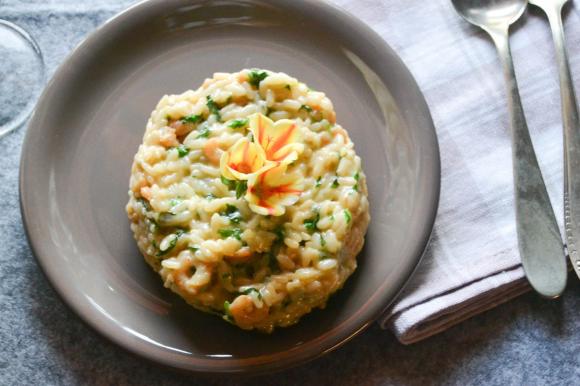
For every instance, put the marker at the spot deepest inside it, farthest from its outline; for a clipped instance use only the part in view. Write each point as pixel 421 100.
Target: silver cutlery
pixel 539 239
pixel 571 121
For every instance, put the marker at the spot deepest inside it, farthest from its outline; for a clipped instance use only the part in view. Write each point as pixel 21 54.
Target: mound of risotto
pixel 248 198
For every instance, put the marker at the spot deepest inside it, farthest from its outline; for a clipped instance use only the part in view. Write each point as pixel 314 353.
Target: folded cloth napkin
pixel 472 263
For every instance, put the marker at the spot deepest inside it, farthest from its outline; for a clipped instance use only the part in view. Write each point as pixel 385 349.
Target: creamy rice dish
pixel 248 198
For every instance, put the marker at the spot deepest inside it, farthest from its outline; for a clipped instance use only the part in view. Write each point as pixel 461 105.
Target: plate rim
pixel 275 364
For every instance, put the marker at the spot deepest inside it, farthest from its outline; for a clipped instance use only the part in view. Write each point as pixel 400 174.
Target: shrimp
pixel 167 137
pixel 146 192
pixel 212 151
pixel 241 255
pixel 181 129
pixel 245 312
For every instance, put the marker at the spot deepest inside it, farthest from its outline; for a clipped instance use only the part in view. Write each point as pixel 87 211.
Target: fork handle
pixel 571 121
pixel 539 239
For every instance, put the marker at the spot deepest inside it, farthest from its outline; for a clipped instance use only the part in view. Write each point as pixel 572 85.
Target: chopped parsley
pixel 310 224
pixel 172 243
pixel 231 184
pixel 173 203
pixel 356 178
pixel 306 108
pixel 232 213
pixel 335 183
pixel 250 290
pixel 241 188
pixel 322 240
pixel 153 226
pixel 227 308
pixel 213 108
pixel 194 118
pixel 236 233
pixel 347 216
pixel 182 151
pixel 318 183
pixel 145 203
pixel 203 132
pixel 193 249
pixel 279 232
pixel 255 77
pixel 239 123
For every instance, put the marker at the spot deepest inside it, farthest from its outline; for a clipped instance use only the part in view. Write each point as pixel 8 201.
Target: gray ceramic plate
pixel 90 121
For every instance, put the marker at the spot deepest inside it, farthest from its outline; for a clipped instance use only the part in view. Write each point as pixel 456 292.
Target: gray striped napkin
pixel 472 263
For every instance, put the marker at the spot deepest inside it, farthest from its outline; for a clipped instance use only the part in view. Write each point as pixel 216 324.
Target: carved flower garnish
pixel 280 139
pixel 261 166
pixel 271 191
pixel 242 160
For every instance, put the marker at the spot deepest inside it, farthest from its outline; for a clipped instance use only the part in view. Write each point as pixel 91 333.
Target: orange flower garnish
pixel 269 192
pixel 280 139
pixel 242 160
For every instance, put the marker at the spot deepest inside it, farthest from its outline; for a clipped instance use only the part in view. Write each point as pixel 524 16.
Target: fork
pixel 571 121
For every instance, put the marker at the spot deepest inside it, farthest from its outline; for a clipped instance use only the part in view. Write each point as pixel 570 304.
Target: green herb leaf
pixel 306 108
pixel 172 244
pixel 182 151
pixel 230 209
pixel 154 226
pixel 194 118
pixel 279 231
pixel 347 216
pixel 173 203
pixel 203 132
pixel 213 108
pixel 235 233
pixel 356 178
pixel 231 184
pixel 232 213
pixel 310 224
pixel 318 183
pixel 193 249
pixel 335 183
pixel 145 203
pixel 239 123
pixel 241 188
pixel 256 77
pixel 227 308
pixel 250 290
pixel 322 240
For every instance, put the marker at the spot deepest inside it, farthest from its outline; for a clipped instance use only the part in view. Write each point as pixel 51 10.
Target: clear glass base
pixel 21 76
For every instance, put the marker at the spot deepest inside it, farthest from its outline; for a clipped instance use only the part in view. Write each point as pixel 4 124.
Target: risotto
pixel 248 198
